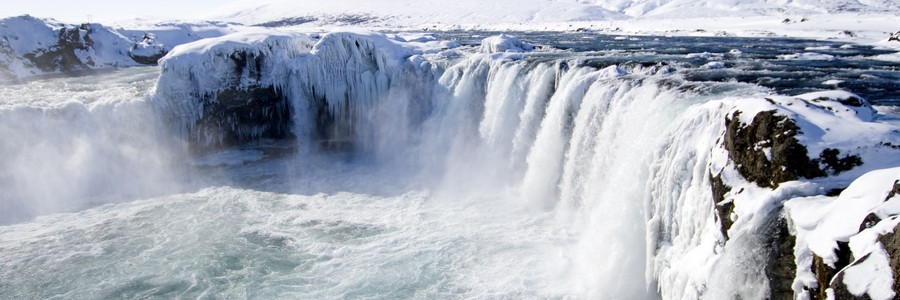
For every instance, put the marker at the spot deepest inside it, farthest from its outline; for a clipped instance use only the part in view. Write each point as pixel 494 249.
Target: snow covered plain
pixel 860 21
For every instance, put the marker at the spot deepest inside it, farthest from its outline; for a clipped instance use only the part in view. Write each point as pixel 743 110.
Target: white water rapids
pixel 529 180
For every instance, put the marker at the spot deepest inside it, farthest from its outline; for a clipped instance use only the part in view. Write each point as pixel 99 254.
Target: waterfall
pixel 621 155
pixel 598 147
pixel 73 143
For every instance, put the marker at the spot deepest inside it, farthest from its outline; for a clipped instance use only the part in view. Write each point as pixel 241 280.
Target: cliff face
pixel 808 247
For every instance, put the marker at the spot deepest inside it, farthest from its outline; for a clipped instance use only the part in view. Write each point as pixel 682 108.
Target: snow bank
pixel 821 222
pixel 409 13
pixel 504 43
pixel 30 46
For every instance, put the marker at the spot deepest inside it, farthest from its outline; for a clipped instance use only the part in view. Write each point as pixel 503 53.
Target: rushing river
pixel 100 200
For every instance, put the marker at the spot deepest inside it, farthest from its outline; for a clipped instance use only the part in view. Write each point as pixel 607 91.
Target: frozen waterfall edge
pixel 733 190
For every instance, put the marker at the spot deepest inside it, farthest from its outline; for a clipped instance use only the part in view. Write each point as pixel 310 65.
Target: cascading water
pixel 408 174
pixel 69 144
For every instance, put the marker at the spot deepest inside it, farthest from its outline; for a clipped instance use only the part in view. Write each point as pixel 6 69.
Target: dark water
pixel 757 61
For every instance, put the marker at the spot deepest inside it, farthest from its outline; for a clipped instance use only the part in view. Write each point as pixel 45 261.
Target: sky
pixel 104 11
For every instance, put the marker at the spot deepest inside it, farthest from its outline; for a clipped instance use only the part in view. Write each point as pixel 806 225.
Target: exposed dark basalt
pixel 331 134
pixel 849 101
pixel 767 152
pixel 891 243
pixel 835 165
pixel 895 190
pixel 840 290
pixel 723 208
pixel 828 277
pixel 825 274
pixel 780 267
pixel 62 56
pixel 240 116
pixel 145 57
pixel 746 144
pixel 786 159
pixel 243 113
pixel 894 37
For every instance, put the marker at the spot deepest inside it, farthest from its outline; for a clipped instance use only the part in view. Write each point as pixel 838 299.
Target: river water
pixel 101 200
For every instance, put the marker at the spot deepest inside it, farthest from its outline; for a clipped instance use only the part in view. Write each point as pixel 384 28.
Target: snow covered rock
pixel 849 240
pixel 780 148
pixel 227 90
pixel 504 43
pixel 30 46
pixel 259 84
pixel 148 51
pixel 894 37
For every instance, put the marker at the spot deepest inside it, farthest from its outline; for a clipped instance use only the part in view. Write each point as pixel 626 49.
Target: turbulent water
pixel 519 179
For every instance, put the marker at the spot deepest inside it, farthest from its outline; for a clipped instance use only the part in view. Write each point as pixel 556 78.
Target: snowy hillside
pixel 31 46
pixel 407 13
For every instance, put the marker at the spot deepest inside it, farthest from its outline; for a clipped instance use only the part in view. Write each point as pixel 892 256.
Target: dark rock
pixel 781 266
pixel 895 190
pixel 243 113
pixel 240 116
pixel 870 221
pixel 829 157
pixel 61 56
pixel 834 192
pixel 147 51
pixel 891 243
pixel 825 274
pixel 840 289
pixel 723 208
pixel 894 37
pixel 849 101
pixel 789 160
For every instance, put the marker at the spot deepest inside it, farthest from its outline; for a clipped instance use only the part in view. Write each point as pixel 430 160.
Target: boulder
pixel 148 51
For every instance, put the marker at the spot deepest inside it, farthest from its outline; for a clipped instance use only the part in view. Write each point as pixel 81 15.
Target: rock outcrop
pixel 766 151
pixel 32 47
pixel 148 51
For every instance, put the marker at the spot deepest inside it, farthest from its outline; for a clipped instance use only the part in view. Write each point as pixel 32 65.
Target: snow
pixel 867 22
pixel 807 56
pixel 714 65
pixel 504 43
pixel 357 73
pixel 821 221
pixel 148 47
pixel 364 77
pixel 105 46
pixel 692 260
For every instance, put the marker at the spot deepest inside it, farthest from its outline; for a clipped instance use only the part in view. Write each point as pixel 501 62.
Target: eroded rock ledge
pixel 768 152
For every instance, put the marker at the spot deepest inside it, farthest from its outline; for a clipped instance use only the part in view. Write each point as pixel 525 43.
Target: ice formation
pixel 694 219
